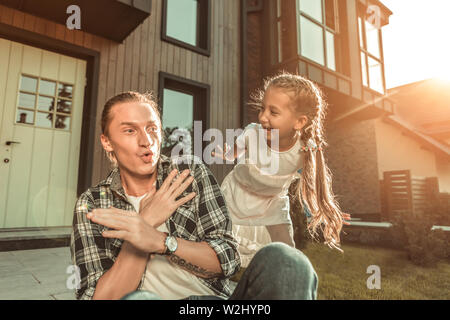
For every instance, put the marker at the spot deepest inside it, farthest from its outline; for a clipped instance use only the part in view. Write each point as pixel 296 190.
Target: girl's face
pixel 134 137
pixel 277 112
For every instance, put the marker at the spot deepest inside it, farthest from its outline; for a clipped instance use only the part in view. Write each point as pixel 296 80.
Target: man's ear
pixel 106 143
pixel 301 122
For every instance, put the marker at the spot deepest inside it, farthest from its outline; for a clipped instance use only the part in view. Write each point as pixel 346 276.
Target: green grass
pixel 343 275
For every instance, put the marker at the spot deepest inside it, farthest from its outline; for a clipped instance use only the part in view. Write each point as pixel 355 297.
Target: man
pixel 148 228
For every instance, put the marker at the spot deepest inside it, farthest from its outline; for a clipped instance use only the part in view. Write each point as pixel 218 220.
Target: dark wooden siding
pixel 135 64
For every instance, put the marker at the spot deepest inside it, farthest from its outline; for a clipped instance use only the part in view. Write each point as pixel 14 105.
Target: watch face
pixel 172 244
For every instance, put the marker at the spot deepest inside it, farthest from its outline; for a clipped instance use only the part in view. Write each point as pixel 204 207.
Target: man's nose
pixel 145 139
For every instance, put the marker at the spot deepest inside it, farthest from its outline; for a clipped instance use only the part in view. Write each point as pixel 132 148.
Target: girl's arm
pixel 229 154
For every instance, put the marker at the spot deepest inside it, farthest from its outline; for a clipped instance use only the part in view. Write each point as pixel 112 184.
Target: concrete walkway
pixel 38 274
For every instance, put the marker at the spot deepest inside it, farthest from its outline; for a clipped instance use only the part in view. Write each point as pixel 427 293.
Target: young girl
pixel 291 117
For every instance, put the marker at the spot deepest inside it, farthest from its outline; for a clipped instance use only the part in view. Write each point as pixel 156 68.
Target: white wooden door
pixel 41 105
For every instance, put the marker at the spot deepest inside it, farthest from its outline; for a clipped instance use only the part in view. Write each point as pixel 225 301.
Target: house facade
pixel 206 56
pixel 54 82
pixel 337 44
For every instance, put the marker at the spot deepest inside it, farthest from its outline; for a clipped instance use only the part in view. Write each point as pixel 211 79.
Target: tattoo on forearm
pixel 193 268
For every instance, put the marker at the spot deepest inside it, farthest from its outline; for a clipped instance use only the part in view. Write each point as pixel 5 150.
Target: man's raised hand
pixel 158 205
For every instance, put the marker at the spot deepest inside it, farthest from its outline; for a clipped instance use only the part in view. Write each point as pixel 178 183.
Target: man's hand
pixel 158 206
pixel 131 227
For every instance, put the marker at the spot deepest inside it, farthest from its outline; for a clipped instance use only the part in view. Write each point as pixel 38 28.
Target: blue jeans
pixel 276 272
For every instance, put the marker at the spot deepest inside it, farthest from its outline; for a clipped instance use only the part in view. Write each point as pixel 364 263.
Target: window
pixel 186 23
pixel 372 66
pixel 318 30
pixel 182 102
pixel 44 103
pixel 276 32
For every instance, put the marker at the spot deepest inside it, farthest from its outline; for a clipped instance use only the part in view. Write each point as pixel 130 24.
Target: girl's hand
pixel 346 216
pixel 227 156
pixel 158 206
pixel 131 227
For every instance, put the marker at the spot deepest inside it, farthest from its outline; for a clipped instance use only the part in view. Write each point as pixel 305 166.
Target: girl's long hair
pixel 315 187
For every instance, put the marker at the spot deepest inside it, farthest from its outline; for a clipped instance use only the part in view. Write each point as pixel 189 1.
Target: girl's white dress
pixel 256 190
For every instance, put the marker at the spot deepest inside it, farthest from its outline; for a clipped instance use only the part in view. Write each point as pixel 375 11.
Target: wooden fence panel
pixel 402 193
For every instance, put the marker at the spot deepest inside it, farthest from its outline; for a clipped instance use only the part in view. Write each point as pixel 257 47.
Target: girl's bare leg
pixel 282 233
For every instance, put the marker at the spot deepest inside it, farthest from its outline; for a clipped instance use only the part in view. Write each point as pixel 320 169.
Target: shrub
pixel 414 234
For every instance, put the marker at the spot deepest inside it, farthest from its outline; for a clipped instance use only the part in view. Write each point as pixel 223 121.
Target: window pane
pixel 311 41
pixel 375 75
pixel 65 90
pixel 312 8
pixel 182 20
pixel 46 103
pixel 373 40
pixel 178 110
pixel 26 100
pixel 330 14
pixel 64 106
pixel 62 122
pixel 44 119
pixel 178 120
pixel 47 87
pixel 28 84
pixel 364 69
pixel 25 116
pixel 331 59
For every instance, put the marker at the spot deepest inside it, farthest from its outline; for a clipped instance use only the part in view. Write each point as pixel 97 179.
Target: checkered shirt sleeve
pixel 214 225
pixel 88 248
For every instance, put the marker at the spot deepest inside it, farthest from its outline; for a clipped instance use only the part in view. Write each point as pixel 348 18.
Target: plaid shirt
pixel 204 218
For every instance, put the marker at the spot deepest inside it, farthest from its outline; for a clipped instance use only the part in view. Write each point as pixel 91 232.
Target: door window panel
pixel 47 87
pixel 44 120
pixel 64 106
pixel 46 103
pixel 28 84
pixel 25 116
pixel 65 90
pixel 27 100
pixel 41 111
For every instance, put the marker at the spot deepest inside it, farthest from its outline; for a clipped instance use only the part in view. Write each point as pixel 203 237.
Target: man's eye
pixel 153 129
pixel 129 131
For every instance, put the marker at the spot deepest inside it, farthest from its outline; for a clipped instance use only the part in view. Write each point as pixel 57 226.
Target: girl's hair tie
pixel 306 149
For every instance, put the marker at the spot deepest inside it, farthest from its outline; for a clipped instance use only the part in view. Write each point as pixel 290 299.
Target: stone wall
pixel 352 159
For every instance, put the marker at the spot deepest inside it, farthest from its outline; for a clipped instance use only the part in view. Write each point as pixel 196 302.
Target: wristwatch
pixel 171 244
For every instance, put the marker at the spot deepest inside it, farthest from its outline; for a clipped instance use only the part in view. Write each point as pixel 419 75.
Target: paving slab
pixel 37 274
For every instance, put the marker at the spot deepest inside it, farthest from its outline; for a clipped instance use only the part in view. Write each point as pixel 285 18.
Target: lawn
pixel 343 275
